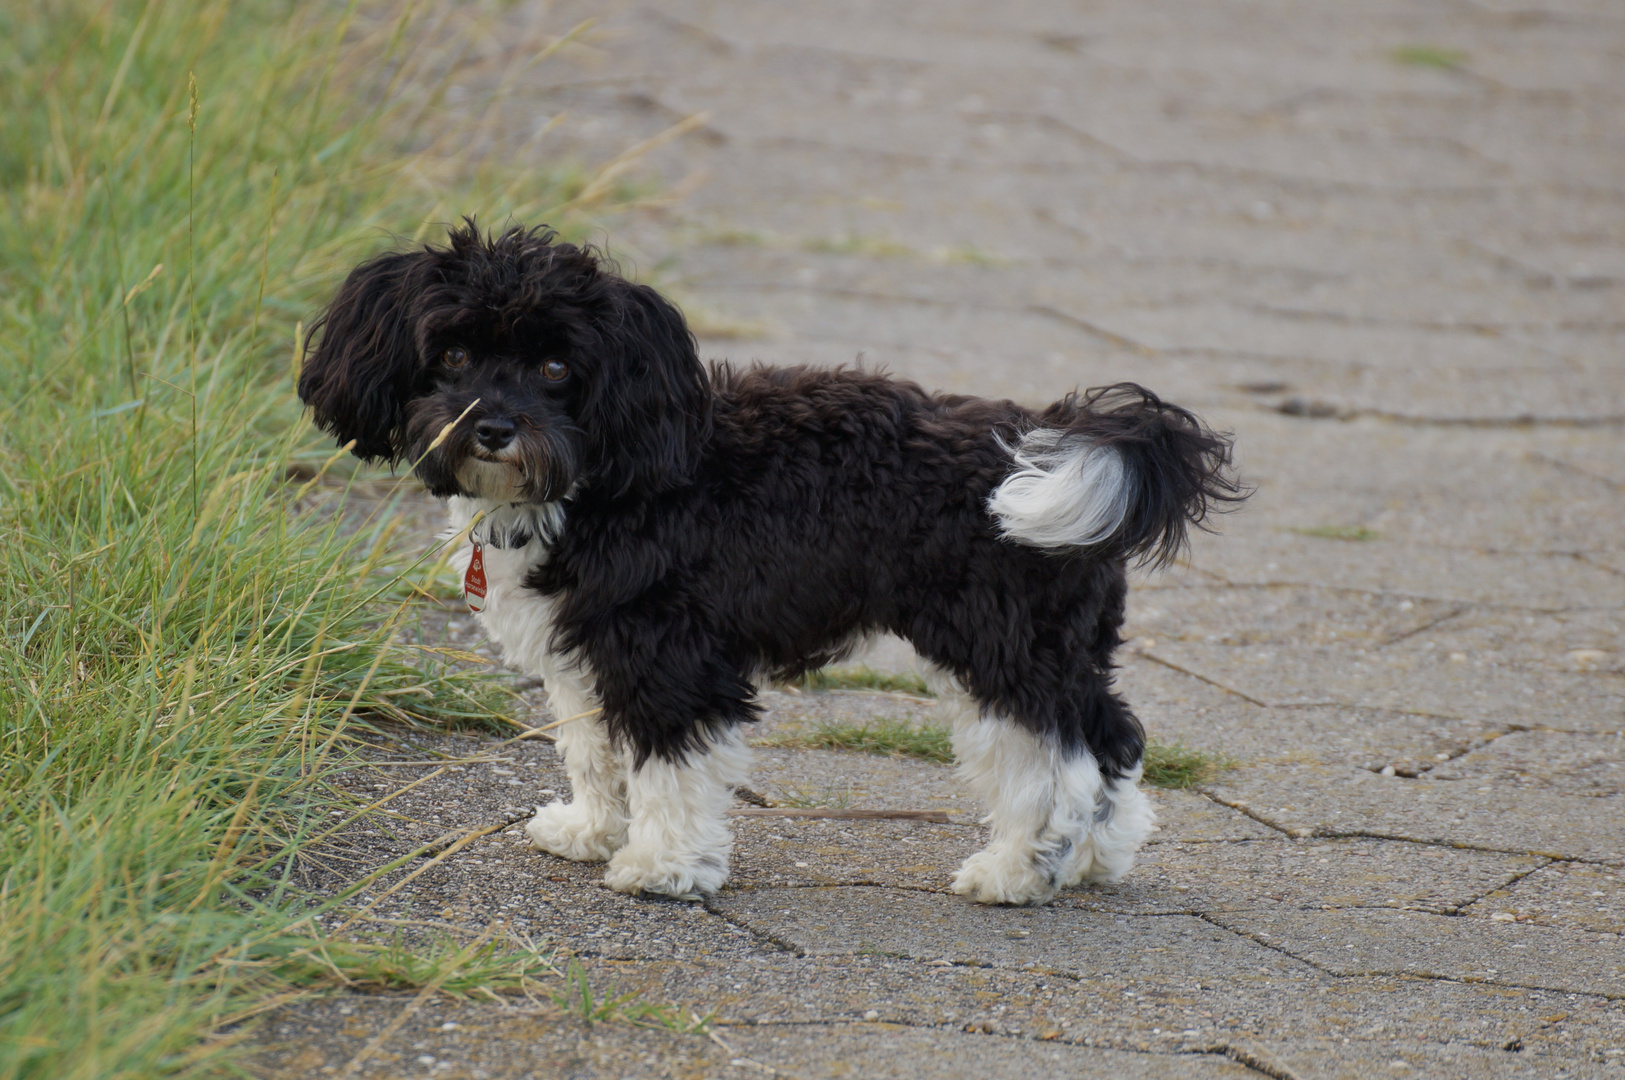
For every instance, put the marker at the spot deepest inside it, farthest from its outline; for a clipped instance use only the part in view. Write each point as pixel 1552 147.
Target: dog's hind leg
pixel 1054 820
pixel 592 825
pixel 1025 782
pixel 1115 826
pixel 678 843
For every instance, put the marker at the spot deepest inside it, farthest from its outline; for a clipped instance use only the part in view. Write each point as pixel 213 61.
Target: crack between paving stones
pixel 1511 882
pixel 1155 659
pixel 1459 610
pixel 1177 352
pixel 1604 567
pixel 1471 422
pixel 1343 318
pixel 1421 976
pixel 1457 845
pixel 1247 811
pixel 1093 330
pixel 1563 466
pixel 1390 709
pixel 782 944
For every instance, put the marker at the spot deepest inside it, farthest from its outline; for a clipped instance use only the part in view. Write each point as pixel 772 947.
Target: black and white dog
pixel 652 538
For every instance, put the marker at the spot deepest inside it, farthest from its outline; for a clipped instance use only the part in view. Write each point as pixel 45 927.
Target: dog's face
pixel 512 368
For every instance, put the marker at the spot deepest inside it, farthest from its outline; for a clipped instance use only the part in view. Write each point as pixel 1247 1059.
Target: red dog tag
pixel 474 580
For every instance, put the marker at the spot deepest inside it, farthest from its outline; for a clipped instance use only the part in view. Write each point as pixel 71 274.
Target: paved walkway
pixel 1385 244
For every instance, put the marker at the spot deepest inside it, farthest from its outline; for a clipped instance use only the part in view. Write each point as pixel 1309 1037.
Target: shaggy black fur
pixel 725 525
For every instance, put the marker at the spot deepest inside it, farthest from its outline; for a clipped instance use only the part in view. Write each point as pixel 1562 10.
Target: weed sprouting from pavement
pixel 1176 766
pixel 487 971
pixel 883 736
pixel 577 997
pixel 863 678
pixel 1431 56
pixel 1167 765
pixel 1356 533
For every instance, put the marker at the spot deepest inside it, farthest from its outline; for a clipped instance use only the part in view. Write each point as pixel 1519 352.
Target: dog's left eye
pixel 454 357
pixel 555 370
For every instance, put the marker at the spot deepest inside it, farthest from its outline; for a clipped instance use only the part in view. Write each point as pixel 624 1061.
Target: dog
pixel 654 538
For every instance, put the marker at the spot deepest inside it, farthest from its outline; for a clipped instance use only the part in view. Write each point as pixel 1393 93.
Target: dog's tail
pixel 1118 470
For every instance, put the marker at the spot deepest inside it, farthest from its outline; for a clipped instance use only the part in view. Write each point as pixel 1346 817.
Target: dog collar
pixel 506 527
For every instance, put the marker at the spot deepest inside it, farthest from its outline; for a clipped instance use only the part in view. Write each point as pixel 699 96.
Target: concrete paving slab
pixel 907 855
pixel 1282 615
pixel 1276 874
pixel 1564 894
pixel 1113 1007
pixel 1189 817
pixel 1171 875
pixel 1179 707
pixel 1351 802
pixel 470 1042
pixel 1407 678
pixel 1539 583
pixel 1551 760
pixel 836 922
pixel 876 1049
pixel 1365 942
pixel 1362 1061
pixel 843 778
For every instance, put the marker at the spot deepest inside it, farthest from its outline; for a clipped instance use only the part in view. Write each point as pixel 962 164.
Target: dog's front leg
pixel 592 825
pixel 678 842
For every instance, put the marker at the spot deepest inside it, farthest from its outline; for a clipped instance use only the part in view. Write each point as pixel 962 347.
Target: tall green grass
pixel 181 648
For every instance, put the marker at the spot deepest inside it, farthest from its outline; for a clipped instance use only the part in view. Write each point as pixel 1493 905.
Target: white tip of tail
pixel 1061 495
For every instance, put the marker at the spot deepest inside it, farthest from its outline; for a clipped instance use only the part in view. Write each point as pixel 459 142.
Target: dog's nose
pixel 494 432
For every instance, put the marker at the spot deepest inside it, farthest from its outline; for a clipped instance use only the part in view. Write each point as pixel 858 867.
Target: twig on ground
pixel 939 817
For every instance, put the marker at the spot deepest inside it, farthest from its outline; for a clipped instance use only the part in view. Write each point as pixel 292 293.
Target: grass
pixel 184 651
pixel 862 244
pixel 883 736
pixel 1167 765
pixel 1356 533
pixel 1429 56
pixel 576 997
pixel 864 678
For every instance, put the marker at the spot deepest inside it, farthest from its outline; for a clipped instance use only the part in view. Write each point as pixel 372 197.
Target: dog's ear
pixel 647 415
pixel 359 377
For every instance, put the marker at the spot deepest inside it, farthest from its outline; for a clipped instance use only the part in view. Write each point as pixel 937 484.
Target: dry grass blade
pixel 531 733
pixel 443 853
pixel 603 181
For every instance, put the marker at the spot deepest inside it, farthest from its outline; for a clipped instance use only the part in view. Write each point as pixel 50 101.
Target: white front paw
pixel 1095 864
pixel 687 875
pixel 576 832
pixel 1010 876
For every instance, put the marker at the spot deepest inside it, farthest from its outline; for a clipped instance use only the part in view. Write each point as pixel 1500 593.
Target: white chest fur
pixel 514 539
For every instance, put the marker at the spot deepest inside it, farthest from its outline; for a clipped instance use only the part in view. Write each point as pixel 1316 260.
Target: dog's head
pixel 542 368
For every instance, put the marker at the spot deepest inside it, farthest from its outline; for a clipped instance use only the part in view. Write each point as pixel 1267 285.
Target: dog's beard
pixel 486 478
pixel 540 464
